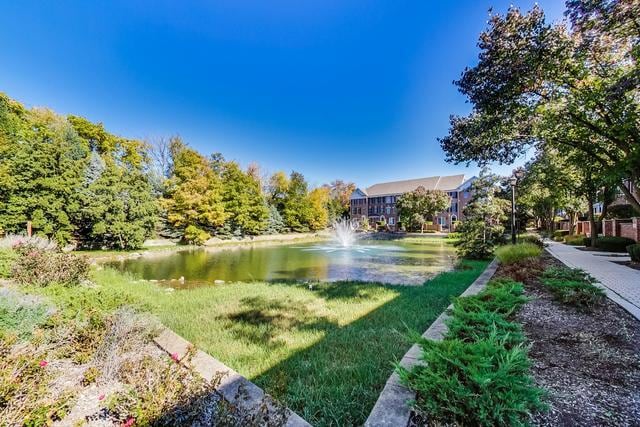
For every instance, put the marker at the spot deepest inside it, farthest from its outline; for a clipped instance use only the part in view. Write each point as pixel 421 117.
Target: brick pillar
pixel 614 227
pixel 636 228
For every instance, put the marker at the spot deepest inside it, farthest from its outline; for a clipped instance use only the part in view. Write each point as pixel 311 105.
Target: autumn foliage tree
pixel 573 87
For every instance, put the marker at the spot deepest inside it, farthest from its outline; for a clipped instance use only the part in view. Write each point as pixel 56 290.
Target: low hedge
pixel 613 243
pixel 634 252
pixel 560 233
pixel 575 240
pixel 7 258
pixel 509 254
pixel 479 373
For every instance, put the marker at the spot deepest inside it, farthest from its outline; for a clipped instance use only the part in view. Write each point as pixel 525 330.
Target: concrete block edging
pixel 392 408
pixel 233 387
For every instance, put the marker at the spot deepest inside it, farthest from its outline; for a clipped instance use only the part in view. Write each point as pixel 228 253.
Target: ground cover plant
pixel 324 350
pixel 508 254
pixel 530 238
pixel 479 373
pixel 572 286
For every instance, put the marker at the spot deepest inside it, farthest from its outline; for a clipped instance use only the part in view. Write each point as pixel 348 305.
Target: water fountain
pixel 344 232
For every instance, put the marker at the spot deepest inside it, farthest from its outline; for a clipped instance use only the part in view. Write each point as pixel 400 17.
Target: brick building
pixel 378 202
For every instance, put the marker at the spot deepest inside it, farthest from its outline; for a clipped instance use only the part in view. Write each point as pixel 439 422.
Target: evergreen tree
pixel 482 228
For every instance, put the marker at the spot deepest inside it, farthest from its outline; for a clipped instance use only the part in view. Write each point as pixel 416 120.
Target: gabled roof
pixel 443 183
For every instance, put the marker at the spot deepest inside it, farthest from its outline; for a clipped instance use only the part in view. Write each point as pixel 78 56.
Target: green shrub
pixel 509 254
pixel 530 238
pixel 20 314
pixel 482 382
pixel 634 252
pixel 7 257
pixel 39 267
pixel 478 375
pixel 613 243
pixel 195 235
pixel 454 235
pixel 575 240
pixel 572 286
pixel 560 233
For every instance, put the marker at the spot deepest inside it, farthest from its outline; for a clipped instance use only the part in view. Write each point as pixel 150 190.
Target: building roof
pixel 443 183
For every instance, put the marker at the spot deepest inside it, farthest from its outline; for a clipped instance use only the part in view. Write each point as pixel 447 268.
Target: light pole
pixel 513 181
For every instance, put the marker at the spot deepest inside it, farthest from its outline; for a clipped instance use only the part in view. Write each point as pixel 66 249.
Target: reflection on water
pixel 393 262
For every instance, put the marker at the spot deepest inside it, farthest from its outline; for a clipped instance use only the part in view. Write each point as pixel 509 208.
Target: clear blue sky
pixel 358 90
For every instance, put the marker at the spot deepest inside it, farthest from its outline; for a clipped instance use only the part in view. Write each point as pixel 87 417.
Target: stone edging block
pixel 392 407
pixel 233 387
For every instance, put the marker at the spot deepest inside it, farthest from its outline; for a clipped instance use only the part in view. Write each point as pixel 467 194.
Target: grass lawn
pixel 326 353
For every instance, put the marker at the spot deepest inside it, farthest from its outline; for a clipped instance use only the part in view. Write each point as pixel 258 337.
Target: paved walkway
pixel 621 282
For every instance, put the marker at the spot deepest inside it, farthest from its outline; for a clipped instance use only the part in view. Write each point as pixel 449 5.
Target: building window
pixel 388 210
pixel 392 221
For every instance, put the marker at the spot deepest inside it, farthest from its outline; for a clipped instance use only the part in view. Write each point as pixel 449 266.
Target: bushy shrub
pixel 560 233
pixel 613 243
pixel 7 258
pixel 38 267
pixel 575 240
pixel 634 252
pixel 453 235
pixel 509 254
pixel 195 235
pixel 572 286
pixel 478 375
pixel 482 382
pixel 530 238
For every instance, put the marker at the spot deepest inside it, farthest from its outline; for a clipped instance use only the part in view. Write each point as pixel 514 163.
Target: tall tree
pixel 243 200
pixel 339 198
pixel 296 209
pixel 576 88
pixel 318 201
pixel 420 205
pixel 482 227
pixel 42 161
pixel 194 193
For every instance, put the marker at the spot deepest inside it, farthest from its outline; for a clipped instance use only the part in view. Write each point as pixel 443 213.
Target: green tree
pixel 482 227
pixel 420 205
pixel 339 199
pixel 42 160
pixel 318 201
pixel 277 190
pixel 243 200
pixel 574 88
pixel 194 192
pixel 296 210
pixel 119 210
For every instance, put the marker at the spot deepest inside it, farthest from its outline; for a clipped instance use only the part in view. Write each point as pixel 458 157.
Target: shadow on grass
pixel 337 380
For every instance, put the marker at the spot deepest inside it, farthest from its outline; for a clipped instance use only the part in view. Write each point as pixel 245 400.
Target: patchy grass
pixel 325 352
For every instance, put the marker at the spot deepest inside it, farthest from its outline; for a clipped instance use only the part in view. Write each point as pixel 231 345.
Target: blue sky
pixel 357 90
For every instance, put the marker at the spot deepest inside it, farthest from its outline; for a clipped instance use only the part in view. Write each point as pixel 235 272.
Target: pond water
pixel 408 262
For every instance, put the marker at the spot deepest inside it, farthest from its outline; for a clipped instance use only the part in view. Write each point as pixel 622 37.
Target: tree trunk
pixel 592 219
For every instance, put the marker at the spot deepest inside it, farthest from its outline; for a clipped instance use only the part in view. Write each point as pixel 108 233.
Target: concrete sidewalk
pixel 621 283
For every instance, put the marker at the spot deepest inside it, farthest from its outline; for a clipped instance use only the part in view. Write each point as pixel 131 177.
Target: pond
pixel 409 262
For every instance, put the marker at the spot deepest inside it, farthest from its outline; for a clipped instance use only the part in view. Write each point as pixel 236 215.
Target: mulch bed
pixel 588 361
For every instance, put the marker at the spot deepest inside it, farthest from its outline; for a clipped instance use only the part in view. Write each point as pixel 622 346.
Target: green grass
pixel 509 254
pixel 326 353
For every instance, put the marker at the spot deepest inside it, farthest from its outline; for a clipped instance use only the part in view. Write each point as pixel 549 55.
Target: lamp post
pixel 513 181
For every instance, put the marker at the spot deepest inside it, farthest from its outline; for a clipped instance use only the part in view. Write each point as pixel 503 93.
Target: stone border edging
pixel 235 388
pixel 391 408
